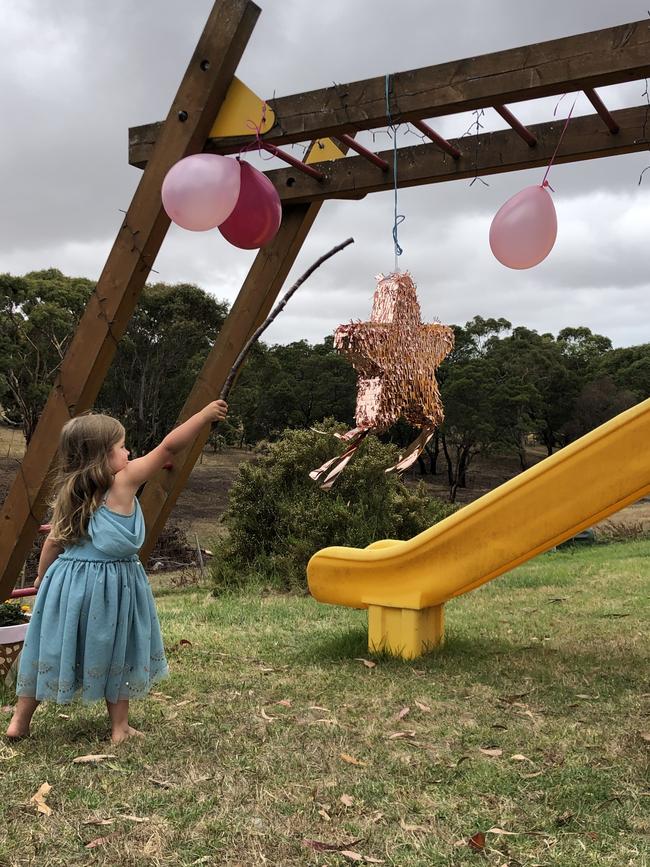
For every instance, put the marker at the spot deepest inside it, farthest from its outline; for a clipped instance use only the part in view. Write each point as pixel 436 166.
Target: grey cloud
pixel 75 75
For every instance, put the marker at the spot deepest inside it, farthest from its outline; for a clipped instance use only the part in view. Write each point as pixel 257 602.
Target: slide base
pixel 405 632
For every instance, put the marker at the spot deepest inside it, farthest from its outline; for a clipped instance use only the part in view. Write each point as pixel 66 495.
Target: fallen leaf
pixel 325 815
pixel 352 761
pixel 63 715
pixel 367 662
pixel 477 841
pixel 501 832
pixel 135 818
pixel 402 713
pixel 406 827
pixel 179 644
pixel 285 702
pixel 532 776
pixel 267 717
pixel 164 784
pixel 184 702
pixel 512 698
pixel 564 818
pixel 98 822
pixel 356 856
pixel 346 800
pixel 39 799
pixel 518 757
pixel 319 846
pixel 423 707
pixel 98 841
pixel 93 758
pixel 645 736
pixel 493 752
pixel 318 707
pixel 409 733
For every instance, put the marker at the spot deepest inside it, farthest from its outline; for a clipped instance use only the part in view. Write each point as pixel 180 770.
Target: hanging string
pixel 545 183
pixel 397 218
pixel 257 141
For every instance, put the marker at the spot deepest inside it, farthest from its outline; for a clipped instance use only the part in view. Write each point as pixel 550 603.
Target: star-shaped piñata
pixel 396 357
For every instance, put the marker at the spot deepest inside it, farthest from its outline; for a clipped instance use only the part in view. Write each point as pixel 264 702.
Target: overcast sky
pixel 74 75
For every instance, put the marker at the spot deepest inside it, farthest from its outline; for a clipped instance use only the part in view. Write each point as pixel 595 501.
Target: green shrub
pixel 278 517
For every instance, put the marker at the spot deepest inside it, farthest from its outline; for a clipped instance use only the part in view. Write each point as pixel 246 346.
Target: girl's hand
pixel 215 411
pixel 37 582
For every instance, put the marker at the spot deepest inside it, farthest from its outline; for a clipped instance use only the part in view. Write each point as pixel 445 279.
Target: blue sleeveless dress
pixel 94 632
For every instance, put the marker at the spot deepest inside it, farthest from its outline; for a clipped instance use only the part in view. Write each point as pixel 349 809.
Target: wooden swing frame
pixel 576 63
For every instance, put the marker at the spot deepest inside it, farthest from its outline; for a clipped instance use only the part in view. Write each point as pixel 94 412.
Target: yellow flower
pixel 25 608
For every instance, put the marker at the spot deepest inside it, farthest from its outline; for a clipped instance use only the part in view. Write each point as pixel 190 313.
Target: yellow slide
pixel 405 584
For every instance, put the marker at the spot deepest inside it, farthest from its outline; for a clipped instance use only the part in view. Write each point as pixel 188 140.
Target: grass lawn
pixel 523 742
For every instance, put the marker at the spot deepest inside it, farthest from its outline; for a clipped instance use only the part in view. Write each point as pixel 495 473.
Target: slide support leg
pixel 405 632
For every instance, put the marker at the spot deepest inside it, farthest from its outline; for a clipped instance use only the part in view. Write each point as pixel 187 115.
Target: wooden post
pixel 91 351
pixel 252 306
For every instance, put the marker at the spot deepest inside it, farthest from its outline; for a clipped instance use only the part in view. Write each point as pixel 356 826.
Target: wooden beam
pixel 588 60
pixel 252 306
pixel 586 138
pixel 91 351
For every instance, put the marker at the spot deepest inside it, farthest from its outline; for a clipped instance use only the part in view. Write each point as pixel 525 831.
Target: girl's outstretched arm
pixel 141 469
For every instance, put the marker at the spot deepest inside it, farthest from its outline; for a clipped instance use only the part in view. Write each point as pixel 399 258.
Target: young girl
pixel 94 629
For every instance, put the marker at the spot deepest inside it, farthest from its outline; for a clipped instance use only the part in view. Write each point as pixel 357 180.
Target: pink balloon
pixel 524 229
pixel 257 214
pixel 200 191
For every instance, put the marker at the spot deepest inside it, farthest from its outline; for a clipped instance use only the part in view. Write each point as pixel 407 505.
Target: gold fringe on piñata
pixel 396 356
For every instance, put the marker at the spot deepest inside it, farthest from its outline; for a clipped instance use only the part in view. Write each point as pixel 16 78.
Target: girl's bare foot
pixel 123 734
pixel 22 717
pixel 17 730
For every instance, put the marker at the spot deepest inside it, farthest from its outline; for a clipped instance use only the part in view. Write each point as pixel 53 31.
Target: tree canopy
pixel 502 386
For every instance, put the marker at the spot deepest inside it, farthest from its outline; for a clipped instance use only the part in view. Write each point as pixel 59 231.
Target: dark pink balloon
pixel 524 229
pixel 258 212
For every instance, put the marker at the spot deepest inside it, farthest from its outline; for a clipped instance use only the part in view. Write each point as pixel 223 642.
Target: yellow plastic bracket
pixel 323 150
pixel 240 109
pixel 405 632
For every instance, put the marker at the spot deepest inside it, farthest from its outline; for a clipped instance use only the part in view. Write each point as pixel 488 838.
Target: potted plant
pixel 14 618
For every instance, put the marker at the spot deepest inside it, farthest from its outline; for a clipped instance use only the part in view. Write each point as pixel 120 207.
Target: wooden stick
pixel 272 315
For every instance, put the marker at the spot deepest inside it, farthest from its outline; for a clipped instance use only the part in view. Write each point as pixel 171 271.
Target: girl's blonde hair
pixel 84 474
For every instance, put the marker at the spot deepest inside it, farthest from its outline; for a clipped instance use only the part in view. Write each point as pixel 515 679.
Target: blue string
pixel 398 218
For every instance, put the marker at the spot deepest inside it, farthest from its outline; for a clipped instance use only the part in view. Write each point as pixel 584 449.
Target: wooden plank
pixel 588 60
pixel 255 299
pixel 586 138
pixel 84 367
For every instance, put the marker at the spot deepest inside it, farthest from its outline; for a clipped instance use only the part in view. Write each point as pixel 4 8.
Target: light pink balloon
pixel 200 191
pixel 524 229
pixel 257 215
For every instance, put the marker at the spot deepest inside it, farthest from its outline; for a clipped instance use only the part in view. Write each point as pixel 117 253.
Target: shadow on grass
pixel 611 671
pixel 338 647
